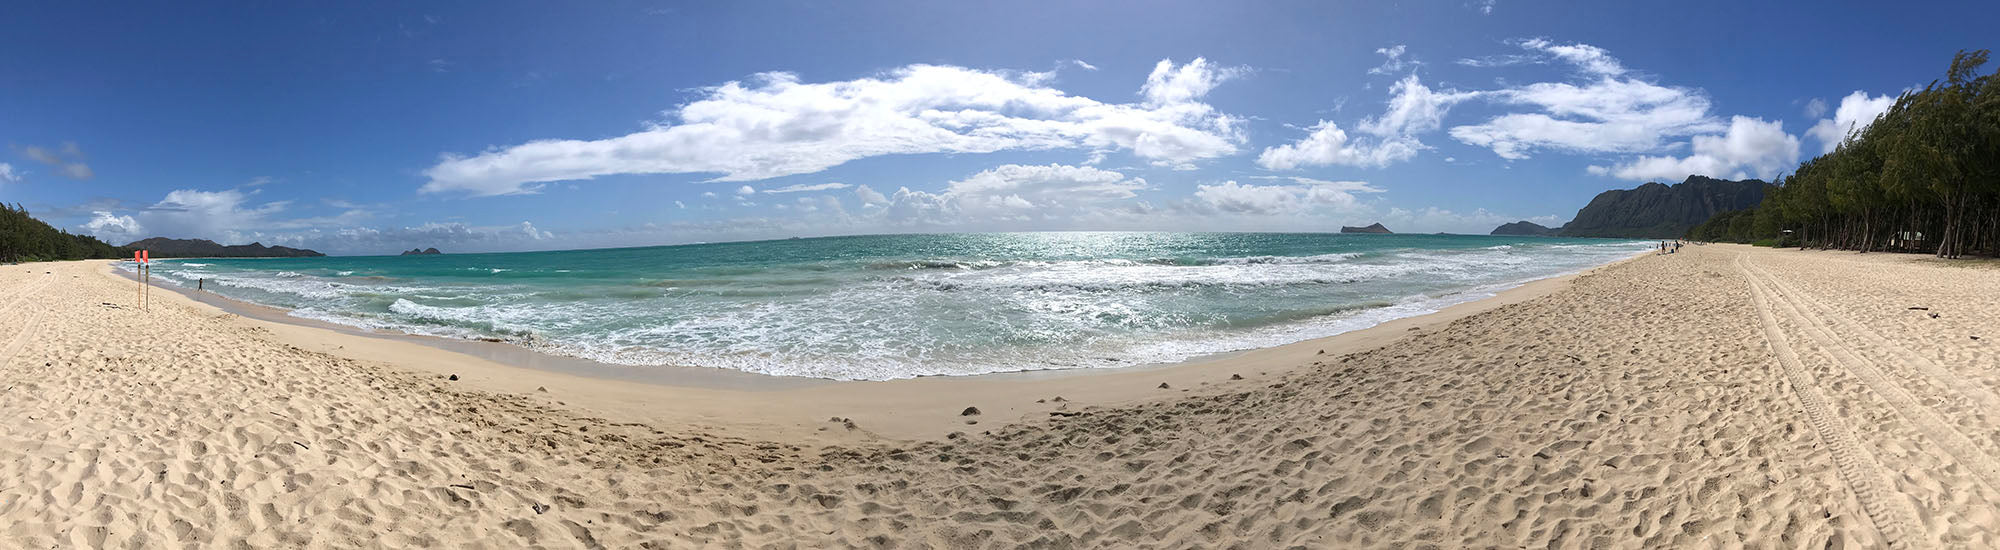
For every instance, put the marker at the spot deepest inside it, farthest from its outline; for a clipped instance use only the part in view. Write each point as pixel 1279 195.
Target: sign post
pixel 143 273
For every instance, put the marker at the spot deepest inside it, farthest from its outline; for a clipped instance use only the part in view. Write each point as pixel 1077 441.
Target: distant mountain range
pixel 1653 210
pixel 161 247
pixel 420 252
pixel 1373 228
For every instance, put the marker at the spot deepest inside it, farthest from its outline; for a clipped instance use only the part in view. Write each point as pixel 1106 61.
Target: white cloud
pixel 1486 6
pixel 115 229
pixel 1345 185
pixel 228 217
pixel 7 174
pixel 1327 144
pixel 452 237
pixel 746 191
pixel 800 188
pixel 777 125
pixel 1264 200
pixel 1857 111
pixel 1499 60
pixel 1590 59
pixel 1083 65
pixel 1169 85
pixel 1395 62
pixel 1816 108
pixel 1607 111
pixel 870 196
pixel 1751 148
pixel 1608 115
pixel 1412 109
pixel 215 215
pixel 1013 191
pixel 536 234
pixel 680 205
pixel 708 194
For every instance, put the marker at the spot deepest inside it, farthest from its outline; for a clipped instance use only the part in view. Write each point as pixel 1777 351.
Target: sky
pixel 370 128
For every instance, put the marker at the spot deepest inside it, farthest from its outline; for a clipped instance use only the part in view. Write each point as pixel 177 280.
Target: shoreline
pixel 917 408
pixel 516 355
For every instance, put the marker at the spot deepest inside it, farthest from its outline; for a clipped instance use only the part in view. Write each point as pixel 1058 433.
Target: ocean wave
pixel 935 309
pixel 303 288
pixel 974 265
pixel 476 317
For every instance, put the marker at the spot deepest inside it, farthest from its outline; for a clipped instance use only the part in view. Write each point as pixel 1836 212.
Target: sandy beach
pixel 1725 396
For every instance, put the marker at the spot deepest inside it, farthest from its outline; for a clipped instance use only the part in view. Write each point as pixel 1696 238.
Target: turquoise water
pixel 896 306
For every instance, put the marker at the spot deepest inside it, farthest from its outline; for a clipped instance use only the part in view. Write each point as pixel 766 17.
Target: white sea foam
pixel 889 318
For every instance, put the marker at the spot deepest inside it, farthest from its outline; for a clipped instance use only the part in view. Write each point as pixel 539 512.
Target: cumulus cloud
pixel 1326 144
pixel 1609 111
pixel 801 188
pixel 218 215
pixel 1412 109
pixel 1856 112
pixel 869 196
pixel 536 234
pixel 776 124
pixel 1752 147
pixel 112 228
pixel 746 191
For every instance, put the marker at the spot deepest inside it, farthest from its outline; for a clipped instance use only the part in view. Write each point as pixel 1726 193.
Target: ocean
pixel 897 306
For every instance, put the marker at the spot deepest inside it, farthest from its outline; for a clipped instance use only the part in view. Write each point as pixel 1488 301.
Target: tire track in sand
pixel 1857 466
pixel 32 326
pixel 24 291
pixel 1923 417
pixel 1985 398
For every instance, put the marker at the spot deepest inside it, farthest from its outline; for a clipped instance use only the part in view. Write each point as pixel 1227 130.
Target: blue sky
pixel 368 128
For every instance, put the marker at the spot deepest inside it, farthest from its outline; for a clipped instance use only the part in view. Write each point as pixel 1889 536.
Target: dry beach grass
pixel 1721 397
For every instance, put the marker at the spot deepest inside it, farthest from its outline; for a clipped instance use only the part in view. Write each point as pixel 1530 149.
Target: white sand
pixel 1724 396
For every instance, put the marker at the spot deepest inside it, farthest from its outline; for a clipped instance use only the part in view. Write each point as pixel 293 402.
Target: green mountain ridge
pixel 162 247
pixel 1660 211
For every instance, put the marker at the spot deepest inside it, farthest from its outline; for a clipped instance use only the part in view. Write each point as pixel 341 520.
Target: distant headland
pixel 162 247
